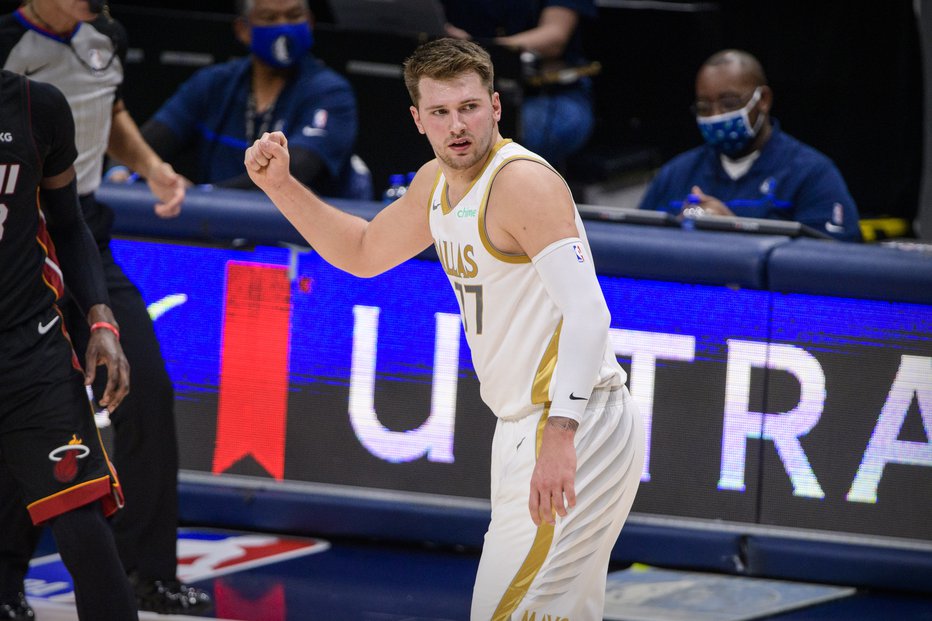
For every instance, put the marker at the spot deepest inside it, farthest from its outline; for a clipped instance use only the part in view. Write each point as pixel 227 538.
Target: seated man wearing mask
pixel 223 108
pixel 748 166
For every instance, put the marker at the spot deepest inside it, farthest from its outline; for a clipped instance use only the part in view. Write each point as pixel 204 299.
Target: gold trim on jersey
pixel 444 199
pixel 116 488
pixel 507 257
pixel 540 389
pixel 433 190
pixel 536 556
pixel 539 436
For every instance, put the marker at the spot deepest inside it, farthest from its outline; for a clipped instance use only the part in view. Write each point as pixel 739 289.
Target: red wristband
pixel 106 326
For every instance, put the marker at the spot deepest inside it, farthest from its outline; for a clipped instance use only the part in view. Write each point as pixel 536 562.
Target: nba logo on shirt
pixel 766 187
pixel 320 119
pixel 838 213
pixel 97 61
pixel 577 248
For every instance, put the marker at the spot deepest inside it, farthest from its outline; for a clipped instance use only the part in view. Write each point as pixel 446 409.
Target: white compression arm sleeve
pixel 569 276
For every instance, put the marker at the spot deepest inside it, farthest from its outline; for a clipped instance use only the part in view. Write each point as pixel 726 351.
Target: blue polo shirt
pixel 316 111
pixel 788 181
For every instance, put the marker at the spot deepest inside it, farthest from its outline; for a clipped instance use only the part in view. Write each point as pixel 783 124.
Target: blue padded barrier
pixel 634 251
pixel 700 257
pixel 840 563
pixel 323 513
pixel 685 548
pixel 871 272
pixel 213 216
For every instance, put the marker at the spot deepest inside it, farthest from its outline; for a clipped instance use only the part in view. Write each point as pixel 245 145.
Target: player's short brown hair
pixel 446 59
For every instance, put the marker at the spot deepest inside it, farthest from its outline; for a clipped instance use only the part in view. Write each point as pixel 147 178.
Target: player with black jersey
pixel 65 43
pixel 51 456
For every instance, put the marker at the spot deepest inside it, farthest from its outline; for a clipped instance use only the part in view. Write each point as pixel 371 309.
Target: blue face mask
pixel 730 133
pixel 281 45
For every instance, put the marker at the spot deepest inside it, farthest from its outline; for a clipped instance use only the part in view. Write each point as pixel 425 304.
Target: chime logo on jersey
pixel 66 459
pixel 577 248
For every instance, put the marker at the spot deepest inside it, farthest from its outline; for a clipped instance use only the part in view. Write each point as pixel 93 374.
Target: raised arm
pixel 397 233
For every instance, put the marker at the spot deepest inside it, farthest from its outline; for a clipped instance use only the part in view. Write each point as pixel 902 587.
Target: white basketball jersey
pixel 511 324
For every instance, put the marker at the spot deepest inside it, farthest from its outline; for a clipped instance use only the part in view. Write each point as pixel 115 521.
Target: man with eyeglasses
pixel 748 166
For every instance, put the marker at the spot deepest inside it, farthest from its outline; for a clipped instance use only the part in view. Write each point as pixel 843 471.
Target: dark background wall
pixel 847 78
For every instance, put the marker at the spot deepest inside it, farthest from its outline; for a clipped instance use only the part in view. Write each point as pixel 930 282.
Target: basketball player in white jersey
pixel 568 446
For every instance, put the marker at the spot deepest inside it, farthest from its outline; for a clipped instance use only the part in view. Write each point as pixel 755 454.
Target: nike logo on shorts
pixel 43 328
pixel 575 398
pixel 29 72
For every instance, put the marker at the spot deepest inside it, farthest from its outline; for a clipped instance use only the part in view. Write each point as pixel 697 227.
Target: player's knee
pixel 80 534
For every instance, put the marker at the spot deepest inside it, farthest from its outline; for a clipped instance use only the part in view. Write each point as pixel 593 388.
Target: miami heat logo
pixel 66 459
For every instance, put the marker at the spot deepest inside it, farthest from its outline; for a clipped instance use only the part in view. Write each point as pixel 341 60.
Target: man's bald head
pixel 740 63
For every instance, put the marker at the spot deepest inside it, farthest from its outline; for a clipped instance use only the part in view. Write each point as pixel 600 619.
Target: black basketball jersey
pixel 36 141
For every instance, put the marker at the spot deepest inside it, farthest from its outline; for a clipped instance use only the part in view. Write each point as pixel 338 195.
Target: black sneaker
pixel 170 597
pixel 16 608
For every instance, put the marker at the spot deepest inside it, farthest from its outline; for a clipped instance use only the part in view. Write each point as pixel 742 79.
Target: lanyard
pixel 265 119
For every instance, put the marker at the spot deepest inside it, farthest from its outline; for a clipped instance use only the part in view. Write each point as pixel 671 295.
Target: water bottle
pixel 692 209
pixel 396 189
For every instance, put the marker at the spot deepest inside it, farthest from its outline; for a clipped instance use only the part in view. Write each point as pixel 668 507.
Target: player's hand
pixel 553 488
pixel 267 160
pixel 103 347
pixel 169 187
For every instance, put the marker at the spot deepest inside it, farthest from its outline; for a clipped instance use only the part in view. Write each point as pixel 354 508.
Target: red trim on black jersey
pixel 109 495
pixel 50 275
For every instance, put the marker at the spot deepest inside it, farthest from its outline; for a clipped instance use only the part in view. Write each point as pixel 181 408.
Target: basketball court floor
pixel 267 577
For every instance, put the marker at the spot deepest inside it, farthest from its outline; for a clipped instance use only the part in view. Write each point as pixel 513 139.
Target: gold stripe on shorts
pixel 536 556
